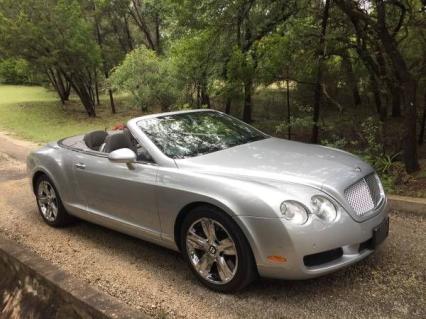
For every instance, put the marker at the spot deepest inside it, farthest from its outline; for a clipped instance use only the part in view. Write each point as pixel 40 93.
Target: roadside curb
pixel 408 204
pixel 33 288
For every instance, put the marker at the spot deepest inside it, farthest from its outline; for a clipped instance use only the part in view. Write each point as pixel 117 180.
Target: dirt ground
pixel 389 284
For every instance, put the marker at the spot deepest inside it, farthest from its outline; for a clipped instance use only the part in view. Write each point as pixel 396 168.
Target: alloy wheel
pixel 212 251
pixel 47 200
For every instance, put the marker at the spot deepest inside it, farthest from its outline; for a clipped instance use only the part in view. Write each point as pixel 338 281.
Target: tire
pixel 225 264
pixel 47 198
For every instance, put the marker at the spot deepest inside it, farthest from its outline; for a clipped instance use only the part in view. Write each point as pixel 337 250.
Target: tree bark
pixel 288 106
pixel 383 78
pixel 376 93
pixel 205 98
pixel 82 84
pixel 396 100
pixel 406 81
pixel 228 104
pixel 59 83
pixel 352 81
pixel 423 123
pixel 141 22
pixel 247 101
pixel 104 64
pixel 408 86
pixel 317 89
pixel 98 102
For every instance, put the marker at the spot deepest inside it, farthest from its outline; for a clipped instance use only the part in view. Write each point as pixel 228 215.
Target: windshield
pixel 196 133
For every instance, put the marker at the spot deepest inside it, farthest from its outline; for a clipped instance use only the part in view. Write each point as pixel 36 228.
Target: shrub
pixel 15 71
pixel 149 78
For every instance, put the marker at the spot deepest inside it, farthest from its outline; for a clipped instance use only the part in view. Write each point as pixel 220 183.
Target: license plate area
pixel 380 233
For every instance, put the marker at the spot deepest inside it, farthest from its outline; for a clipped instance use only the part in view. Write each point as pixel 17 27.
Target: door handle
pixel 80 165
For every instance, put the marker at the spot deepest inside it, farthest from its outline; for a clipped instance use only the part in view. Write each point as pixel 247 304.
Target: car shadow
pixel 131 248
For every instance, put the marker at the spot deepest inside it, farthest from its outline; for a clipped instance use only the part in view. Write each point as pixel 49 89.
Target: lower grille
pixel 323 257
pixel 365 245
pixel 364 195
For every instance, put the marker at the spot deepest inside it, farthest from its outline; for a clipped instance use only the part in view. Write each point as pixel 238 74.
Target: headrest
pixel 95 139
pixel 116 141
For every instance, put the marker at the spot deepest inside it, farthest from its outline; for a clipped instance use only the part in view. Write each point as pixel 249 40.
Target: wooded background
pixel 343 73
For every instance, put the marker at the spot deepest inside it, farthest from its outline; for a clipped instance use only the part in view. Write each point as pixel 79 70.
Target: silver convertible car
pixel 236 202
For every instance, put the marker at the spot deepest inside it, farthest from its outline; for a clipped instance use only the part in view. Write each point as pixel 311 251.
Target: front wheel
pixel 50 205
pixel 216 250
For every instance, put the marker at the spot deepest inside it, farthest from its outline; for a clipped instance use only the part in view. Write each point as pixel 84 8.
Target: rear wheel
pixel 216 250
pixel 49 203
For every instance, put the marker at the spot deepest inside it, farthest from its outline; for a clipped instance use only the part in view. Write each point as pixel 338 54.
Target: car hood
pixel 282 160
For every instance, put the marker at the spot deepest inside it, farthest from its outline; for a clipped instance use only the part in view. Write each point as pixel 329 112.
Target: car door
pixel 124 194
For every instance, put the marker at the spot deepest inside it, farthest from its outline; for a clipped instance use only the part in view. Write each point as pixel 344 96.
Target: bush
pixel 149 78
pixel 15 71
pixel 390 172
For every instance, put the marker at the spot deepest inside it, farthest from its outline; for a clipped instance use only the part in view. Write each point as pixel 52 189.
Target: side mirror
pixel 122 155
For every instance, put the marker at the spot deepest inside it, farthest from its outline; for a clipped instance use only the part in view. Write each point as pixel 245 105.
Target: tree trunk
pixel 104 64
pixel 111 101
pixel 423 123
pixel 383 78
pixel 247 101
pixel 82 84
pixel 98 102
pixel 198 89
pixel 60 84
pixel 396 100
pixel 86 98
pixel 157 33
pixel 228 104
pixel 376 93
pixel 317 89
pixel 205 98
pixel 288 107
pixel 405 79
pixel 352 82
pixel 409 139
pixel 408 86
pixel 128 34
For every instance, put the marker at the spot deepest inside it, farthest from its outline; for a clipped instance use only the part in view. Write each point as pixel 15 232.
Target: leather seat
pixel 95 139
pixel 116 141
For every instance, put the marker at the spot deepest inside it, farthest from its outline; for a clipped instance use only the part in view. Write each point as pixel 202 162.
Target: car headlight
pixel 323 208
pixel 294 212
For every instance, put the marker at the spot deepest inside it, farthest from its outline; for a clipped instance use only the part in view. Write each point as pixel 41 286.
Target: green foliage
pixel 194 56
pixel 303 122
pixel 372 152
pixel 371 132
pixel 15 71
pixel 148 77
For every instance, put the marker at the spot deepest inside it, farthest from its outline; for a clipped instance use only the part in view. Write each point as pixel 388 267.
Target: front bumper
pixel 329 246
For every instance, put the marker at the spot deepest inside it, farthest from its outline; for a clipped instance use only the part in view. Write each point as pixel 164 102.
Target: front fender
pixel 52 161
pixel 179 188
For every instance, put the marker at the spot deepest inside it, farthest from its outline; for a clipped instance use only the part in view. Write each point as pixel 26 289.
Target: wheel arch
pixel 187 208
pixel 39 172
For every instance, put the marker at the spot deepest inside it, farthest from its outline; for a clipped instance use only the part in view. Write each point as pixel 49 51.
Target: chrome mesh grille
pixel 364 195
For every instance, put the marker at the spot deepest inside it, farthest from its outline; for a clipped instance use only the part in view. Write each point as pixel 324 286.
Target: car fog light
pixel 294 212
pixel 323 208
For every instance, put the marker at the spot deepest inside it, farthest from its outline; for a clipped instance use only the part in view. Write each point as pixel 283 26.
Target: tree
pixel 52 35
pixel 149 78
pixel 320 66
pixel 147 15
pixel 406 82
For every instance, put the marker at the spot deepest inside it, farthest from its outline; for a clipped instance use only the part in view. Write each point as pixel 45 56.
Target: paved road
pixel 389 284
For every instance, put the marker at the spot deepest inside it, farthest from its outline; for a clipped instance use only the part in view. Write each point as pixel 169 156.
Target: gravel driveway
pixel 388 284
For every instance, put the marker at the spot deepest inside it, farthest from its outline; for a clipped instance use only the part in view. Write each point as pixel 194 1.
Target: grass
pixel 34 113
